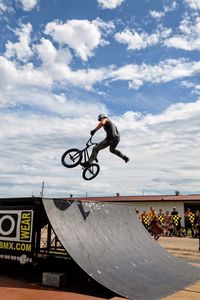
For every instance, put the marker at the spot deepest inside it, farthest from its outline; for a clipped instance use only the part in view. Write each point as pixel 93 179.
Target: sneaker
pixel 85 164
pixel 126 159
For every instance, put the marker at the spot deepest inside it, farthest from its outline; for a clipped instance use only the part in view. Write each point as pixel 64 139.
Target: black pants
pixel 188 225
pixel 104 144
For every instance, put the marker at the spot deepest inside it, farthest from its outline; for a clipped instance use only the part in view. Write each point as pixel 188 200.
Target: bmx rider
pixel 112 139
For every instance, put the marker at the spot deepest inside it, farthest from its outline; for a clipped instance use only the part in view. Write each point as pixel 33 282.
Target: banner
pixel 16 235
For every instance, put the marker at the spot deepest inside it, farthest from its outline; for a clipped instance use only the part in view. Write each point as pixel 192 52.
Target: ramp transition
pixel 109 242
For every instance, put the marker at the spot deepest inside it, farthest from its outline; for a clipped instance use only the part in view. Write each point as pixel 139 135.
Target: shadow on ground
pixel 16 275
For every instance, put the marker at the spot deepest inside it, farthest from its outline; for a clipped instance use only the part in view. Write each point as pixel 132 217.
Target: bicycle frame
pixel 73 157
pixel 85 150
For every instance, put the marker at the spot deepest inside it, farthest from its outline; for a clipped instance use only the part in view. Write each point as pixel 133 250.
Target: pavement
pixel 12 289
pixel 184 248
pixel 187 249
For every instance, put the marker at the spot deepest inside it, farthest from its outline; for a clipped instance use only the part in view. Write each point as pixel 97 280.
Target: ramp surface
pixel 109 242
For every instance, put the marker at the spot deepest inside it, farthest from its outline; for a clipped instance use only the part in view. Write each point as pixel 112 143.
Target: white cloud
pixel 137 41
pixel 55 70
pixel 195 88
pixel 3 7
pixel 109 4
pixel 159 150
pixel 189 37
pixel 16 76
pixel 171 7
pixel 82 36
pixel 48 103
pixel 165 71
pixel 178 42
pixel 187 84
pixel 21 50
pixel 160 14
pixel 40 141
pixel 6 10
pixel 156 14
pixel 47 75
pixel 28 5
pixel 50 55
pixel 194 4
pixel 55 63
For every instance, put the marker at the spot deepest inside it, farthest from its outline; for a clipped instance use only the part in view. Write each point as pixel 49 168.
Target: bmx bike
pixel 73 157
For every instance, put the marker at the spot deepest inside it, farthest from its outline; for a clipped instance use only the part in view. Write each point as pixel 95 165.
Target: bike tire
pixel 91 172
pixel 71 158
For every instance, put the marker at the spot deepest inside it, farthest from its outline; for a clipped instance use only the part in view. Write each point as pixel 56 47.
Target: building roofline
pixel 118 198
pixel 146 198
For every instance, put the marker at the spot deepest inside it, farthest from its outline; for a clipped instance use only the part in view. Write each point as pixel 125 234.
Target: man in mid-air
pixel 112 139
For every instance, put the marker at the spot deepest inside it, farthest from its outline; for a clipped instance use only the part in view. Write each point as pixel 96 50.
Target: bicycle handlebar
pixel 90 143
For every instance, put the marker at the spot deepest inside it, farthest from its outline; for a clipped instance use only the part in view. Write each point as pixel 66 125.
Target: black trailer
pixel 25 231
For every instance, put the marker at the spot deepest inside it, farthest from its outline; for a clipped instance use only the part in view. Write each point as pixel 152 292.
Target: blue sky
pixel 64 62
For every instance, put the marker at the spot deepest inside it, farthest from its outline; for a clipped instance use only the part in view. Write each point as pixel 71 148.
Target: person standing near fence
pixel 188 221
pixel 161 217
pixel 154 225
pixel 145 219
pixel 167 222
pixel 196 224
pixel 175 219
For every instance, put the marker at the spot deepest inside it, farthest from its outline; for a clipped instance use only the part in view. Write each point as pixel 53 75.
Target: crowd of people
pixel 169 223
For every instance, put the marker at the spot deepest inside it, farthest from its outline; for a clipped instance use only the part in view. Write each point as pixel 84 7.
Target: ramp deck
pixel 109 242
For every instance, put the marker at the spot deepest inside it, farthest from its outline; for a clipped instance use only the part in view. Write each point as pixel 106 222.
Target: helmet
pixel 101 116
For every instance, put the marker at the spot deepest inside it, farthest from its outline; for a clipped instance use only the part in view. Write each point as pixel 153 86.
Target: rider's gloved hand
pixel 92 132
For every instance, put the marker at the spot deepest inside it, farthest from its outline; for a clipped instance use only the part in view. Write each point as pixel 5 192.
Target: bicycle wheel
pixel 71 158
pixel 91 172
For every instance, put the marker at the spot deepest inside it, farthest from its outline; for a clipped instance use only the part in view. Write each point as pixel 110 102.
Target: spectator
pixel 175 219
pixel 155 227
pixel 179 229
pixel 167 222
pixel 174 211
pixel 151 214
pixel 172 228
pixel 196 224
pixel 145 219
pixel 188 221
pixel 181 232
pixel 161 217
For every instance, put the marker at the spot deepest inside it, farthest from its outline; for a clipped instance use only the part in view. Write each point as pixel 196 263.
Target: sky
pixel 62 63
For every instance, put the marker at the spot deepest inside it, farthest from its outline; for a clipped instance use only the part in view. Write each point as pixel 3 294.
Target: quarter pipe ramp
pixel 109 242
